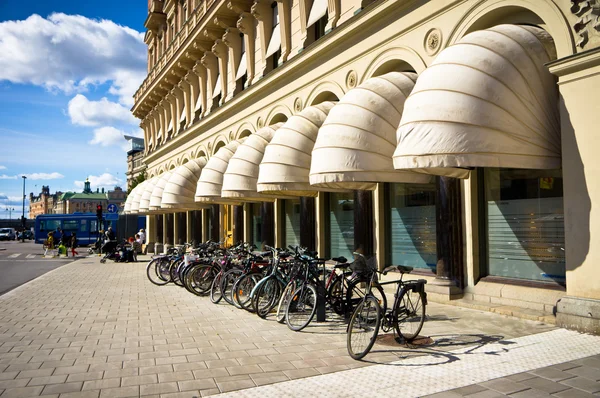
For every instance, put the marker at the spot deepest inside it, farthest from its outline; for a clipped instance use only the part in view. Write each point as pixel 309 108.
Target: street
pixel 22 262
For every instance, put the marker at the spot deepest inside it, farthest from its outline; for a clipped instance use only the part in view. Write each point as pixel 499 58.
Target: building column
pixel 578 76
pixel 261 11
pixel 222 53
pixel 233 41
pixel 308 225
pixel 363 222
pixel 150 233
pixel 169 221
pixel 246 25
pixel 202 76
pixel 209 61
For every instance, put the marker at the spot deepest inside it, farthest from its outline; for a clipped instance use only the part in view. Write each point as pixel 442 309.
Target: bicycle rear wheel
pixel 227 282
pixel 301 307
pixel 216 294
pixel 243 288
pixel 283 302
pixel 157 271
pixel 199 279
pixel 266 297
pixel 363 328
pixel 410 314
pixel 174 271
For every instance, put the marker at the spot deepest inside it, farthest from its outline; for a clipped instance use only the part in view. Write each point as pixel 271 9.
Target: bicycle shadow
pixel 440 349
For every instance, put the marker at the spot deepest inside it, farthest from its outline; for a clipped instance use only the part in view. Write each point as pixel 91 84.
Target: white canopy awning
pixel 180 189
pixel 157 192
pixel 217 89
pixel 487 101
pixel 317 11
pixel 137 196
pixel 286 164
pixel 275 42
pixel 242 67
pixel 127 206
pixel 211 179
pixel 145 198
pixel 241 175
pixel 356 142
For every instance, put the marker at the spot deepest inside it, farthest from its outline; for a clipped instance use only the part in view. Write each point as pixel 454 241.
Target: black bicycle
pixel 406 316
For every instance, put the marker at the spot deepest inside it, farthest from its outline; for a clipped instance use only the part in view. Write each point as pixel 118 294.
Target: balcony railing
pixel 188 27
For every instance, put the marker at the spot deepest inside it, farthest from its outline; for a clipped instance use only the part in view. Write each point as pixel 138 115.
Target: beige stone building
pixel 455 136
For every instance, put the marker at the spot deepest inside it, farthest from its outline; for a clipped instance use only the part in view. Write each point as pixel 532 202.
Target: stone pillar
pixel 449 279
pixel 238 224
pixel 363 222
pixel 579 76
pixel 267 214
pixel 169 230
pixel 308 225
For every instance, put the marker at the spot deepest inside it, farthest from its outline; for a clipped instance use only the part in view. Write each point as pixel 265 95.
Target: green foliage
pixel 137 180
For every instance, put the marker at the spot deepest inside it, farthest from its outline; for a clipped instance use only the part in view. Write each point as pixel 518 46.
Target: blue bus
pixel 85 225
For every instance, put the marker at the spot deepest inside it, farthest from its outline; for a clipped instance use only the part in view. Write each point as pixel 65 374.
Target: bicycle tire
pixel 335 295
pixel 216 293
pixel 302 307
pixel 409 313
pixel 283 302
pixel 174 272
pixel 153 273
pixel 266 297
pixel 243 289
pixel 227 282
pixel 199 279
pixel 363 327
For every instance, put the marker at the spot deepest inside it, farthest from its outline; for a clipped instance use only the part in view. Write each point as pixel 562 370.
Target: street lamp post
pixel 23 217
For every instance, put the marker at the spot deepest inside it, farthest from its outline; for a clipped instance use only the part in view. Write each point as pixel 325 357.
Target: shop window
pixel 411 233
pixel 291 220
pixel 524 224
pixel 341 224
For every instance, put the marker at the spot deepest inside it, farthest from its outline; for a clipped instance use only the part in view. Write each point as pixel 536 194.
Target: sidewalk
pixel 91 329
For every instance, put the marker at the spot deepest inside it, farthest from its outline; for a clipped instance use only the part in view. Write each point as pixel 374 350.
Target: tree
pixel 137 180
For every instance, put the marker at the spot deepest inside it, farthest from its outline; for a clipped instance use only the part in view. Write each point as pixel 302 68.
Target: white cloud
pixel 5 177
pixel 105 180
pixel 72 52
pixel 95 113
pixel 2 167
pixel 44 176
pixel 110 136
pixel 3 196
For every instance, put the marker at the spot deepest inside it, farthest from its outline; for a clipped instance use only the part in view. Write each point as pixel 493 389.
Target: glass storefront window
pixel 411 225
pixel 341 224
pixel 525 224
pixel 291 221
pixel 256 221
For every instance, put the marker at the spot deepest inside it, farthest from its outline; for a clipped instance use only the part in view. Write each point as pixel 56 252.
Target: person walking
pixel 50 244
pixel 74 245
pixel 142 234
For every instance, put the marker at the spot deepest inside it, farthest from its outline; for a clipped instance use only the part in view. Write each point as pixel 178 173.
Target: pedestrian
pixel 74 244
pixel 65 240
pixel 49 244
pixel 110 234
pixel 57 234
pixel 142 234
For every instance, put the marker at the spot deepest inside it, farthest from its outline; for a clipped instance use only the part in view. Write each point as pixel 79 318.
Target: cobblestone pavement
pixel 91 329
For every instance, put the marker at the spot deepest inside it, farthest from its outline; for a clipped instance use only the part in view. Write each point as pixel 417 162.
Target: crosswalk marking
pixel 31 256
pixel 14 255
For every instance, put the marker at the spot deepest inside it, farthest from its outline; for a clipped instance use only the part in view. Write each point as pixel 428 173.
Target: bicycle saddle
pixel 399 268
pixel 340 259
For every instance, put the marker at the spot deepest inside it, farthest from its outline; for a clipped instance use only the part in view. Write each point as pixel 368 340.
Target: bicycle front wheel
pixel 199 279
pixel 409 314
pixel 216 293
pixel 363 327
pixel 158 272
pixel 227 283
pixel 301 307
pixel 283 302
pixel 266 297
pixel 242 289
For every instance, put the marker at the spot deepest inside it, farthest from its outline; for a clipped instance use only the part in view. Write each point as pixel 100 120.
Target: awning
pixel 356 142
pixel 180 189
pixel 157 192
pixel 286 164
pixel 145 198
pixel 317 11
pixel 241 176
pixel 275 42
pixel 127 206
pixel 211 179
pixel 137 196
pixel 217 89
pixel 242 67
pixel 487 101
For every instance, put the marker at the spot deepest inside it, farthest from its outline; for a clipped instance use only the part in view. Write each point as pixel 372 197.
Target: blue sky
pixel 68 70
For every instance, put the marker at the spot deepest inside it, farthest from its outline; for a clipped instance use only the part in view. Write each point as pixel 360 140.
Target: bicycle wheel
pixel 409 313
pixel 243 288
pixel 285 298
pixel 216 294
pixel 227 282
pixel 174 272
pixel 356 292
pixel 155 272
pixel 363 327
pixel 336 295
pixel 199 279
pixel 266 297
pixel 301 307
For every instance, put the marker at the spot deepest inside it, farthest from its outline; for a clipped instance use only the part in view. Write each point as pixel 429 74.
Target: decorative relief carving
pixel 297 104
pixel 260 123
pixel 433 41
pixel 351 79
pixel 588 19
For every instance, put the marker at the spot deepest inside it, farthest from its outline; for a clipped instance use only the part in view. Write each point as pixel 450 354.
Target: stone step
pixel 517 312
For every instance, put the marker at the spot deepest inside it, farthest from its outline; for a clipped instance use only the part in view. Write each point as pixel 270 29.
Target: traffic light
pixel 99 212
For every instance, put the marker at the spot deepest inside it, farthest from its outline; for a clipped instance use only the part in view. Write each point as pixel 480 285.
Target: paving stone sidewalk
pixel 91 329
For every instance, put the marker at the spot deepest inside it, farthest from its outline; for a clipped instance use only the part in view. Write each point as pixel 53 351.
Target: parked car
pixel 7 234
pixel 25 234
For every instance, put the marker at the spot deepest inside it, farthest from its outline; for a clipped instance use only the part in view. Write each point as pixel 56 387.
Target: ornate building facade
pixel 455 136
